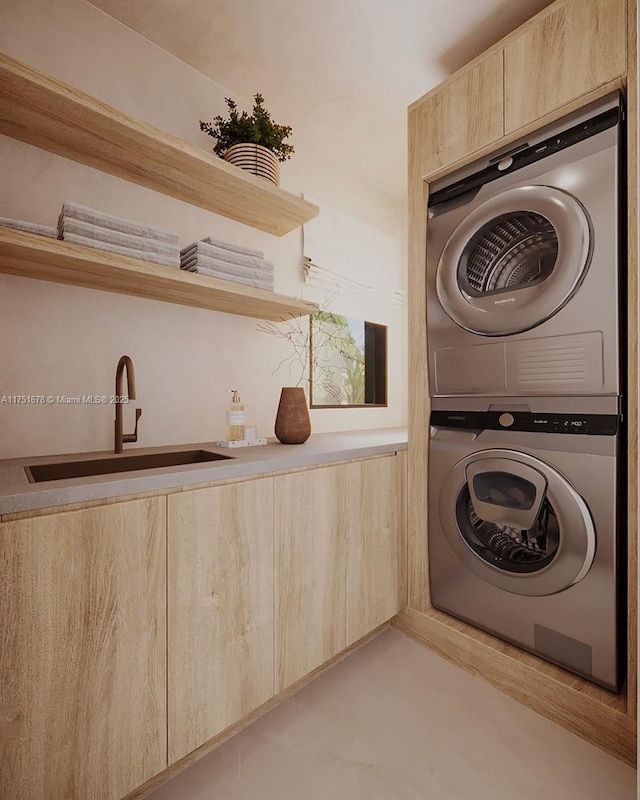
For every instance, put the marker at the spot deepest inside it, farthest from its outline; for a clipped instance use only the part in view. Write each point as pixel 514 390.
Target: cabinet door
pixel 220 609
pixel 375 523
pixel 310 570
pixel 562 55
pixel 461 117
pixel 82 658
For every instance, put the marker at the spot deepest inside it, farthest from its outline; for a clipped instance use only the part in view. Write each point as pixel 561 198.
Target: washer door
pixel 517 523
pixel 514 261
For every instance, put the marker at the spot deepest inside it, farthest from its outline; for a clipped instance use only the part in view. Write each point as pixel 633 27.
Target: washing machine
pixel 525 503
pixel 524 254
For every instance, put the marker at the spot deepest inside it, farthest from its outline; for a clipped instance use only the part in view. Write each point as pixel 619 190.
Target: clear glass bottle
pixel 235 418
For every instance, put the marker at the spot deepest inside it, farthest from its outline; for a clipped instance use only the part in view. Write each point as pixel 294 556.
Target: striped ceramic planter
pixel 255 158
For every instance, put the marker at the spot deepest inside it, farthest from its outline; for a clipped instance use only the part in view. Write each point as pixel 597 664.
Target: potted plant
pixel 253 142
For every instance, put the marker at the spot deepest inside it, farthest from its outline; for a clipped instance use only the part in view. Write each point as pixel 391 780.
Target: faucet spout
pixel 125 364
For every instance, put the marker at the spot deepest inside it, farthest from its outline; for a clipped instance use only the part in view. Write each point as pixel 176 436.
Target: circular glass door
pixel 517 523
pixel 514 261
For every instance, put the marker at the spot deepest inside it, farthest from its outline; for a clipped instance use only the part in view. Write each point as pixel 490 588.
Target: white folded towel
pixel 156 258
pixel 229 269
pixel 95 217
pixel 29 227
pixel 235 248
pixel 223 276
pixel 211 251
pixel 70 225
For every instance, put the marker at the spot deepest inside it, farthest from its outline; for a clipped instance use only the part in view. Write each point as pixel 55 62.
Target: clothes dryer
pixel 524 526
pixel 523 264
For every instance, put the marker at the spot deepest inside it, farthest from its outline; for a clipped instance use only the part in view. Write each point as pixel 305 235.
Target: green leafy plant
pixel 257 128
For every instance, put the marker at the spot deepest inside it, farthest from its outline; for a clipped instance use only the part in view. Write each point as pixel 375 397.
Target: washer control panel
pixel 590 424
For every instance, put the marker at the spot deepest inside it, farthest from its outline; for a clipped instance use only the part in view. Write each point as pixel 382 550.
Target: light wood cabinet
pixel 461 117
pixel 559 56
pixel 220 609
pixel 310 569
pixel 82 655
pixel 338 545
pixel 375 525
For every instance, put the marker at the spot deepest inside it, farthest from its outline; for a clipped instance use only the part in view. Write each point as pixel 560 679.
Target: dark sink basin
pixel 107 466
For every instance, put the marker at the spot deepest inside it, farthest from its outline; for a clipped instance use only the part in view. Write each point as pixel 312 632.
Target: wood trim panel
pixel 418 396
pixel 49 114
pixel 589 36
pixel 175 769
pixel 29 256
pixel 83 656
pixel 577 705
pixel 632 362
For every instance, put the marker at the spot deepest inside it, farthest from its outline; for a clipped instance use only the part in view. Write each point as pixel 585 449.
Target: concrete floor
pixel 394 721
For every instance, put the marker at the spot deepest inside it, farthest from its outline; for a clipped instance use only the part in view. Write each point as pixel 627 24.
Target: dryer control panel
pixel 590 424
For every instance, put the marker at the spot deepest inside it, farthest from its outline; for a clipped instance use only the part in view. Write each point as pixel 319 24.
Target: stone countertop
pixel 18 494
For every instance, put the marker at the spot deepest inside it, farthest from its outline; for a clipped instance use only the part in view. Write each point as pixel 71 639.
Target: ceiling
pixel 340 72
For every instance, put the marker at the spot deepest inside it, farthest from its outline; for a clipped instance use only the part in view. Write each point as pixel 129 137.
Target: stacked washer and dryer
pixel 525 340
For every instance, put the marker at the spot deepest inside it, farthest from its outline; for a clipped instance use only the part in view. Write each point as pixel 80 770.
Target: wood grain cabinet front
pixel 464 115
pixel 375 529
pixel 220 609
pixel 310 570
pixel 562 54
pixel 82 655
pixel 338 539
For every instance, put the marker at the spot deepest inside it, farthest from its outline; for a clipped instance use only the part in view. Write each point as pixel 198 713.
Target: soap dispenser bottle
pixel 235 418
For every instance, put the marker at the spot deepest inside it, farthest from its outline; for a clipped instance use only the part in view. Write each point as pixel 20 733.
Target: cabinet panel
pixel 463 116
pixel 571 51
pixel 375 521
pixel 310 570
pixel 82 652
pixel 220 609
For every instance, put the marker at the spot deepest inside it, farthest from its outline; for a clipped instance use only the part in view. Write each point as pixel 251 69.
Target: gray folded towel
pixel 97 232
pixel 235 248
pixel 156 258
pixel 229 269
pixel 211 251
pixel 95 217
pixel 29 227
pixel 223 276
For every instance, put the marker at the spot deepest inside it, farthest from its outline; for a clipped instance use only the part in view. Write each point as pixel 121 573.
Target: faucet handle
pixel 133 437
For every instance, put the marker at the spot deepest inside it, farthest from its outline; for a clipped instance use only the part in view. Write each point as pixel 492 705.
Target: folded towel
pixel 211 251
pixel 156 258
pixel 95 217
pixel 29 227
pixel 229 269
pixel 212 273
pixel 97 232
pixel 235 248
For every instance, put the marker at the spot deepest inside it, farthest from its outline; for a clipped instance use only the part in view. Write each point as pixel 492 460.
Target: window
pixel 348 362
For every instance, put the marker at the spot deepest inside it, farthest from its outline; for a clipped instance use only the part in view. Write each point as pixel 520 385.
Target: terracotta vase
pixel 293 425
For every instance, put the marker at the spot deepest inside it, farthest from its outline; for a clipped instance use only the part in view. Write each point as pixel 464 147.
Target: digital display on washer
pixel 590 424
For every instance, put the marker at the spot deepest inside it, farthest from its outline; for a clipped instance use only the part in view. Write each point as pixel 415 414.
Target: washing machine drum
pixel 517 523
pixel 515 260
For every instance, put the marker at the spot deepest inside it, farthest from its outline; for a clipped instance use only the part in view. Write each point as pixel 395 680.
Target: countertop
pixel 18 494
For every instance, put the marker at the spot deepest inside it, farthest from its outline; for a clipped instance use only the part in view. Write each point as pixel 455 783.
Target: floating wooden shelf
pixel 32 256
pixel 44 112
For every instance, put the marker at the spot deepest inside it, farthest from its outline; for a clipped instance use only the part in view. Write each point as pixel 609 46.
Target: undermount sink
pixel 107 466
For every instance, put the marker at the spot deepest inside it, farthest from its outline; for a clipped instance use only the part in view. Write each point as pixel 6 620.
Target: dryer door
pixel 515 260
pixel 517 523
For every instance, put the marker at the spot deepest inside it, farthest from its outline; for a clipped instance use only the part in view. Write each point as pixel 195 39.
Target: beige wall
pixel 58 340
